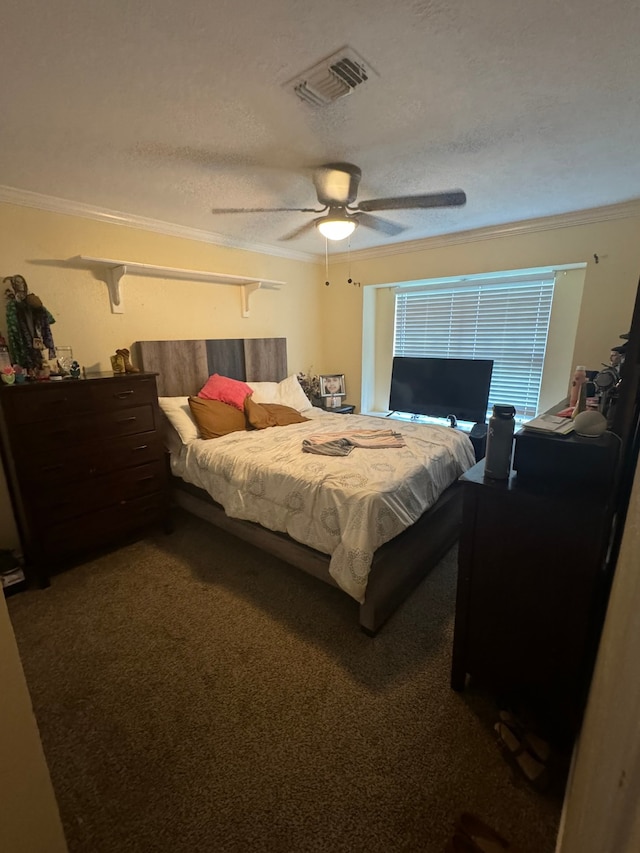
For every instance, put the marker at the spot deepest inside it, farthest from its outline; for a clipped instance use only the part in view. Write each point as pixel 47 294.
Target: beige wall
pixel 563 328
pixel 30 821
pixel 608 297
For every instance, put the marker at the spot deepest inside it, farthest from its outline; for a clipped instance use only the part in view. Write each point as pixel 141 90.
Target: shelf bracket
pixel 245 292
pixel 113 276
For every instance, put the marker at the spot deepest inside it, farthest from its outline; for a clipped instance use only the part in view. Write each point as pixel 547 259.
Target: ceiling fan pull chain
pixel 326 261
pixel 350 280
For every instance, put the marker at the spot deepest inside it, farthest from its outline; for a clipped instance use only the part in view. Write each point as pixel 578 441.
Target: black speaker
pixel 478 436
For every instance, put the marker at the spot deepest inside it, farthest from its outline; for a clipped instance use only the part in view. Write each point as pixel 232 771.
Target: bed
pixel 372 523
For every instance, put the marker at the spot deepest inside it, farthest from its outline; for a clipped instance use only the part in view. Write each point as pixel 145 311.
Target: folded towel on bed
pixel 342 443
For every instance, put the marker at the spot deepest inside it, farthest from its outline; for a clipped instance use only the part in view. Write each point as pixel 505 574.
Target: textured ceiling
pixel 166 109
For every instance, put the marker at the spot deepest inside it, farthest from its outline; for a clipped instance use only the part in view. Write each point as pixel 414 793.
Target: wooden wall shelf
pixel 114 271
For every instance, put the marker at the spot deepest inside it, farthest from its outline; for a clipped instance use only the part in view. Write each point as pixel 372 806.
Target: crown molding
pixel 589 216
pixel 27 198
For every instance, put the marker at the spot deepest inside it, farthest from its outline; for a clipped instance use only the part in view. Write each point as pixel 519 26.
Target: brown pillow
pixel 263 415
pixel 215 419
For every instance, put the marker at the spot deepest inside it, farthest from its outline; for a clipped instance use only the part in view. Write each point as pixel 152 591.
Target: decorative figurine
pixel 74 370
pixel 8 375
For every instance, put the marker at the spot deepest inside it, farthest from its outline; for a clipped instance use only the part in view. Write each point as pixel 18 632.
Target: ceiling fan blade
pixel 303 229
pixel 453 198
pixel 337 183
pixel 379 224
pixel 266 209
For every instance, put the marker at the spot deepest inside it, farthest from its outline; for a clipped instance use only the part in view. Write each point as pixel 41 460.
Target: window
pixel 503 318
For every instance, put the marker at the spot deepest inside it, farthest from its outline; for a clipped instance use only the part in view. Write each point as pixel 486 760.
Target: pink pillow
pixel 225 389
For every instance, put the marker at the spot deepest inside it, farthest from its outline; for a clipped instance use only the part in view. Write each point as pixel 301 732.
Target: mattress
pixel 346 506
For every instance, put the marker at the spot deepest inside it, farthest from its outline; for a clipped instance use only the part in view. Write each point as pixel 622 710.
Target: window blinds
pixel 503 319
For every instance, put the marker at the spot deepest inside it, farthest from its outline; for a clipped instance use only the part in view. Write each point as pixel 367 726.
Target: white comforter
pixel 344 506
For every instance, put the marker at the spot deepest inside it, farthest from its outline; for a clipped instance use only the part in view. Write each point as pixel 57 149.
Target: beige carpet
pixel 196 695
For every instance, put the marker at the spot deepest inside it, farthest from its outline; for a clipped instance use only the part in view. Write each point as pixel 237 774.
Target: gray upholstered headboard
pixel 184 366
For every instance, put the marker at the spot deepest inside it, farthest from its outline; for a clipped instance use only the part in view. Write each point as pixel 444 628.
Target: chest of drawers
pixel 85 464
pixel 532 584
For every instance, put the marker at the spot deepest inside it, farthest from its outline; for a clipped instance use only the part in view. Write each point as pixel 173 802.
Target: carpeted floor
pixel 197 696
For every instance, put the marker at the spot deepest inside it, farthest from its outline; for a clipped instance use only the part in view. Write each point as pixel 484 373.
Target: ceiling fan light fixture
pixel 336 227
pixel 336 186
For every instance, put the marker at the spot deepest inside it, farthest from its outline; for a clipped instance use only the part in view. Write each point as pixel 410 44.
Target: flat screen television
pixel 455 388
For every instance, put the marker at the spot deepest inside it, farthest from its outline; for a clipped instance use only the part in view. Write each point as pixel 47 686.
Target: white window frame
pixel 503 317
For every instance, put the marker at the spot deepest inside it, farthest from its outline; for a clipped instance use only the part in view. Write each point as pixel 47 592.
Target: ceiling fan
pixel 336 186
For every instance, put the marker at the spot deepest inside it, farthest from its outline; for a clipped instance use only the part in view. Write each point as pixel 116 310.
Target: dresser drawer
pixel 75 499
pixel 41 402
pixel 66 464
pixel 92 428
pixel 122 392
pixel 44 403
pixel 102 527
pixel 127 421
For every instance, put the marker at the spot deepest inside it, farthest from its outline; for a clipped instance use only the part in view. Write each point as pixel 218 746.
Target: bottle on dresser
pixel 5 358
pixel 578 381
pixel 497 464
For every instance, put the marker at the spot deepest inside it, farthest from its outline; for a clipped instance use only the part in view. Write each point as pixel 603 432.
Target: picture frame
pixel 332 384
pixel 333 402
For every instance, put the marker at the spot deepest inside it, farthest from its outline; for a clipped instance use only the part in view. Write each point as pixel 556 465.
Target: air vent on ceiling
pixel 331 79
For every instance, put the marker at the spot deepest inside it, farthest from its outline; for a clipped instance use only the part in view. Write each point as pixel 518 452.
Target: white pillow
pixel 179 416
pixel 264 392
pixel 288 393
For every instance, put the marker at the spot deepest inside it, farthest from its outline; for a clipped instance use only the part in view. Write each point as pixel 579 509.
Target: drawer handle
pixel 144 479
pixel 48 468
pixel 126 420
pixel 123 394
pixel 140 447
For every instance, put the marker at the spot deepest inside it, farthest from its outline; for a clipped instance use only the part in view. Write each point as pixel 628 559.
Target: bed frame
pixel 182 368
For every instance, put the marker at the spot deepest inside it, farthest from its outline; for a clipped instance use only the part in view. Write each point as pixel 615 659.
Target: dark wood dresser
pixel 85 464
pixel 531 588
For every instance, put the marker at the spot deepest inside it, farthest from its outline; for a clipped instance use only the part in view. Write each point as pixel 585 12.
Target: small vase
pixel 8 378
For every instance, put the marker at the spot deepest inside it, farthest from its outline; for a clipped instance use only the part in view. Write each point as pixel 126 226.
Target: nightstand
pixel 345 409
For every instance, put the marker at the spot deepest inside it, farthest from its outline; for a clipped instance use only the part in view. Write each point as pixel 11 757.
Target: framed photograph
pixel 332 384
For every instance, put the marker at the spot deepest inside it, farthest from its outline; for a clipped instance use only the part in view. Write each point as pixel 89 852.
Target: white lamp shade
pixel 336 229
